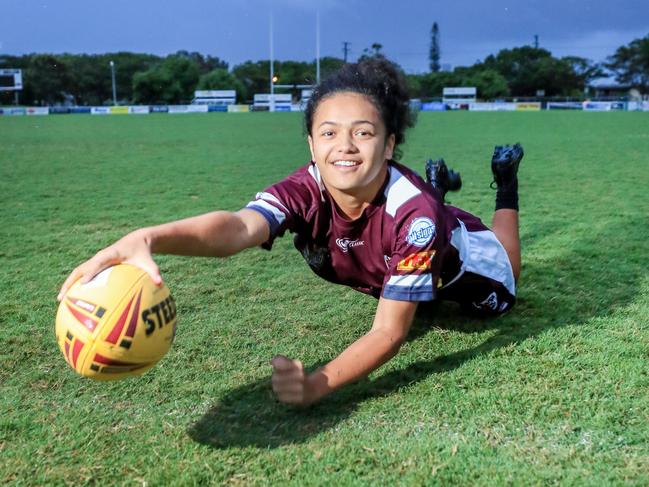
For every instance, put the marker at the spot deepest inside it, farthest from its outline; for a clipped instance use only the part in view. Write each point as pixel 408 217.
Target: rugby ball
pixel 118 325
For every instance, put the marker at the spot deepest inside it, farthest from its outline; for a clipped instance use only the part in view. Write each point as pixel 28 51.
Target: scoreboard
pixel 11 79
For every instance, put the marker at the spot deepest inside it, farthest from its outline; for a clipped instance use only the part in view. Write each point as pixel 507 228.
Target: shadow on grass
pixel 563 291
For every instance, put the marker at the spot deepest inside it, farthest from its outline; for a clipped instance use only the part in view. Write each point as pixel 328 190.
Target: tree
pixel 254 76
pixel 630 64
pixel 529 69
pixel 126 65
pixel 372 52
pixel 329 65
pixel 173 81
pixel 414 85
pixel 92 77
pixel 85 79
pixel 47 80
pixel 584 70
pixel 296 72
pixel 519 66
pixel 205 63
pixel 435 51
pixel 489 83
pixel 433 84
pixel 153 86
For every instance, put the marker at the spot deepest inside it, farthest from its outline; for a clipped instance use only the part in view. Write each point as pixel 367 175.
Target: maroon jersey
pixel 400 248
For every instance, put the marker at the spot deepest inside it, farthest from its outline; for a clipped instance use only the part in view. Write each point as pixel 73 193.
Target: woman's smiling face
pixel 350 146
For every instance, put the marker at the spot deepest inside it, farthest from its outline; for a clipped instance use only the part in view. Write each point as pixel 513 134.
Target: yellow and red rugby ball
pixel 118 325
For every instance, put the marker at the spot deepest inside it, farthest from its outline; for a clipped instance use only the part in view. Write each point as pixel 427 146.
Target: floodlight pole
pixel 271 105
pixel 317 47
pixel 112 72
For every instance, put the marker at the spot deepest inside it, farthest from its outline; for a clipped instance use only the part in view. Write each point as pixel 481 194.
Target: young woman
pixel 359 219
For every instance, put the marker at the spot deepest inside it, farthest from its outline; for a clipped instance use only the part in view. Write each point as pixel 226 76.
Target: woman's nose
pixel 347 144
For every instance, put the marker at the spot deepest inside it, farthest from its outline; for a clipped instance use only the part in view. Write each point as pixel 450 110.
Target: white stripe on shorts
pixel 482 254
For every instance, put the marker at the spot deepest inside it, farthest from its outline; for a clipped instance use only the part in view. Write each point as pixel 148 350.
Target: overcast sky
pixel 238 30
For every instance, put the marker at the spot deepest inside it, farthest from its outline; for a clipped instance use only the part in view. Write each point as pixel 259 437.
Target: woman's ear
pixel 389 146
pixel 310 141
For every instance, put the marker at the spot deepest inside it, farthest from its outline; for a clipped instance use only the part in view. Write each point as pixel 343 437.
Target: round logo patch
pixel 421 231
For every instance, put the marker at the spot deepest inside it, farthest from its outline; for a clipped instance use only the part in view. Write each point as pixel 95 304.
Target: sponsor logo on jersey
pixel 421 231
pixel 419 261
pixel 346 243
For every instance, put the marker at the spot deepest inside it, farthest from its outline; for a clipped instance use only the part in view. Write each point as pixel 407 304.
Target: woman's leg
pixel 504 165
pixel 505 227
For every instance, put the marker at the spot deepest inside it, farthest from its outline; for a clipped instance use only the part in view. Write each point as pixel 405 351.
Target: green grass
pixel 556 392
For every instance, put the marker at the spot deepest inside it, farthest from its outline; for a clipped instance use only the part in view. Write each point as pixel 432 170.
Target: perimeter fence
pixel 588 106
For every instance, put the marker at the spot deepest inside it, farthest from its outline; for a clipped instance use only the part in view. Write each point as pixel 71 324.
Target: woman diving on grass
pixel 360 219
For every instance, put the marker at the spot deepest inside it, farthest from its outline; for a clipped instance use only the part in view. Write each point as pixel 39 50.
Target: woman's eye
pixel 327 133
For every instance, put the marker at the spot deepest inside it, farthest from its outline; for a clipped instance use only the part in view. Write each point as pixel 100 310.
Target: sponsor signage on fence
pixel 564 105
pixel 100 110
pixel 119 110
pixel 197 109
pixel 14 111
pixel 38 111
pixel 433 107
pixel 138 110
pixel 492 107
pixel 177 108
pixel 533 106
pixel 238 108
pixel 283 103
pixel 603 106
pixel 638 106
pixel 188 109
pixel 415 104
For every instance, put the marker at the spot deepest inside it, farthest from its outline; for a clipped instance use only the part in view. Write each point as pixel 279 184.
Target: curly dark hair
pixel 378 79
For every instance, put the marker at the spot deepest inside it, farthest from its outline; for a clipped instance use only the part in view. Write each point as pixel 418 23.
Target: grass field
pixel 556 392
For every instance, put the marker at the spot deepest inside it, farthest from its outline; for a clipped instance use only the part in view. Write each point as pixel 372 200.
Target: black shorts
pixel 479 295
pixel 485 285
